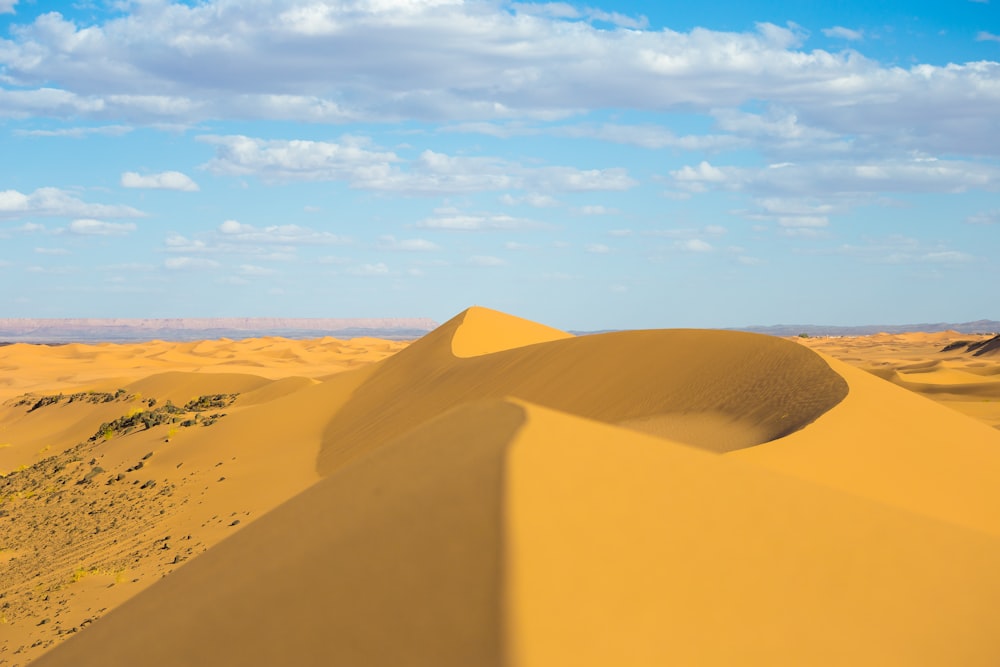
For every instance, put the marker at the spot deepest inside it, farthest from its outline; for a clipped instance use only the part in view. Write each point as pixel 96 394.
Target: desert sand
pixel 501 493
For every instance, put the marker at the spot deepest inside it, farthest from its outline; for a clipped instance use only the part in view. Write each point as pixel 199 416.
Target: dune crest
pixel 485 331
pixel 720 390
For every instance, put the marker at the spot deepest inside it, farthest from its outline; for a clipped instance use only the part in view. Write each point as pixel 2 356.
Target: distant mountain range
pixel 979 326
pixel 89 330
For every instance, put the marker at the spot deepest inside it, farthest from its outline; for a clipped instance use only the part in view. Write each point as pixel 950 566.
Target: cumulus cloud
pixel 376 269
pixel 389 242
pixel 167 180
pixel 354 161
pixel 983 36
pixel 53 202
pixel 315 61
pixel 486 261
pixel 844 177
pixel 898 249
pixel 234 231
pixel 77 132
pixel 91 227
pixel 7 6
pixel 694 245
pixel 459 222
pixel 255 271
pixel 840 32
pixel 648 136
pixel 270 243
pixel 190 264
pixel 985 218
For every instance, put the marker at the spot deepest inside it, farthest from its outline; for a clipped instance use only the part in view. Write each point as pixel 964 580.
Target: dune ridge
pixel 763 386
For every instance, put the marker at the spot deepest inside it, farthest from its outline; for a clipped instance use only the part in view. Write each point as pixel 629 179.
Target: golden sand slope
pixel 494 501
pixel 504 533
pixel 939 366
pixel 86 524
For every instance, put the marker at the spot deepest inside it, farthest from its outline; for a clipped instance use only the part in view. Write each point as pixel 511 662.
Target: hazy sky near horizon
pixel 590 166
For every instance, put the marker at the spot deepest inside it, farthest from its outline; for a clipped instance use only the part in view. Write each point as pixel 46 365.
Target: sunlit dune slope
pixel 107 366
pixel 889 444
pixel 180 387
pixel 484 331
pixel 504 533
pixel 93 511
pixel 721 390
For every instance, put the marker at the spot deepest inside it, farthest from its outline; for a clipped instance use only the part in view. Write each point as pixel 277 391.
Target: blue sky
pixel 590 166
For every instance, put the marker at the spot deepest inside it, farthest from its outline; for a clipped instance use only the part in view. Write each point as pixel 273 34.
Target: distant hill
pixel 979 326
pixel 89 330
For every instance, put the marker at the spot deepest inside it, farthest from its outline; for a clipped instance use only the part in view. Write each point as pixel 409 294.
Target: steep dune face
pixel 745 388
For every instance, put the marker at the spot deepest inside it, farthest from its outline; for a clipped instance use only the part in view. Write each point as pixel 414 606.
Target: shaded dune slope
pixel 526 540
pixel 761 387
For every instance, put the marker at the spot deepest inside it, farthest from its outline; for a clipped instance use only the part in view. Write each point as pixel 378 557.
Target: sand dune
pixel 940 366
pixel 503 493
pixel 717 389
pixel 523 540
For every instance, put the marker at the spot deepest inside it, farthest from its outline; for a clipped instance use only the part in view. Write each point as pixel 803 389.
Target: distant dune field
pixel 502 493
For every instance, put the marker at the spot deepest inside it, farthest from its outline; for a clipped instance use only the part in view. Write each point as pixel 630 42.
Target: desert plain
pixel 502 493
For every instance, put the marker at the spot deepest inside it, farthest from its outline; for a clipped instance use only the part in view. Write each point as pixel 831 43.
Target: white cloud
pixel 840 32
pixel 476 223
pixel 597 248
pixel 91 227
pixel 687 232
pixel 7 6
pixel 389 242
pixel 53 202
pixel 983 36
pixel 596 210
pixel 985 218
pixel 486 261
pixel 355 162
pixel 77 132
pixel 648 136
pixel 531 199
pixel 52 251
pixel 468 61
pixel 844 178
pixel 167 180
pixel 189 263
pixel 233 231
pixel 898 249
pixel 694 245
pixel 256 271
pixel 377 269
pixel 697 178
